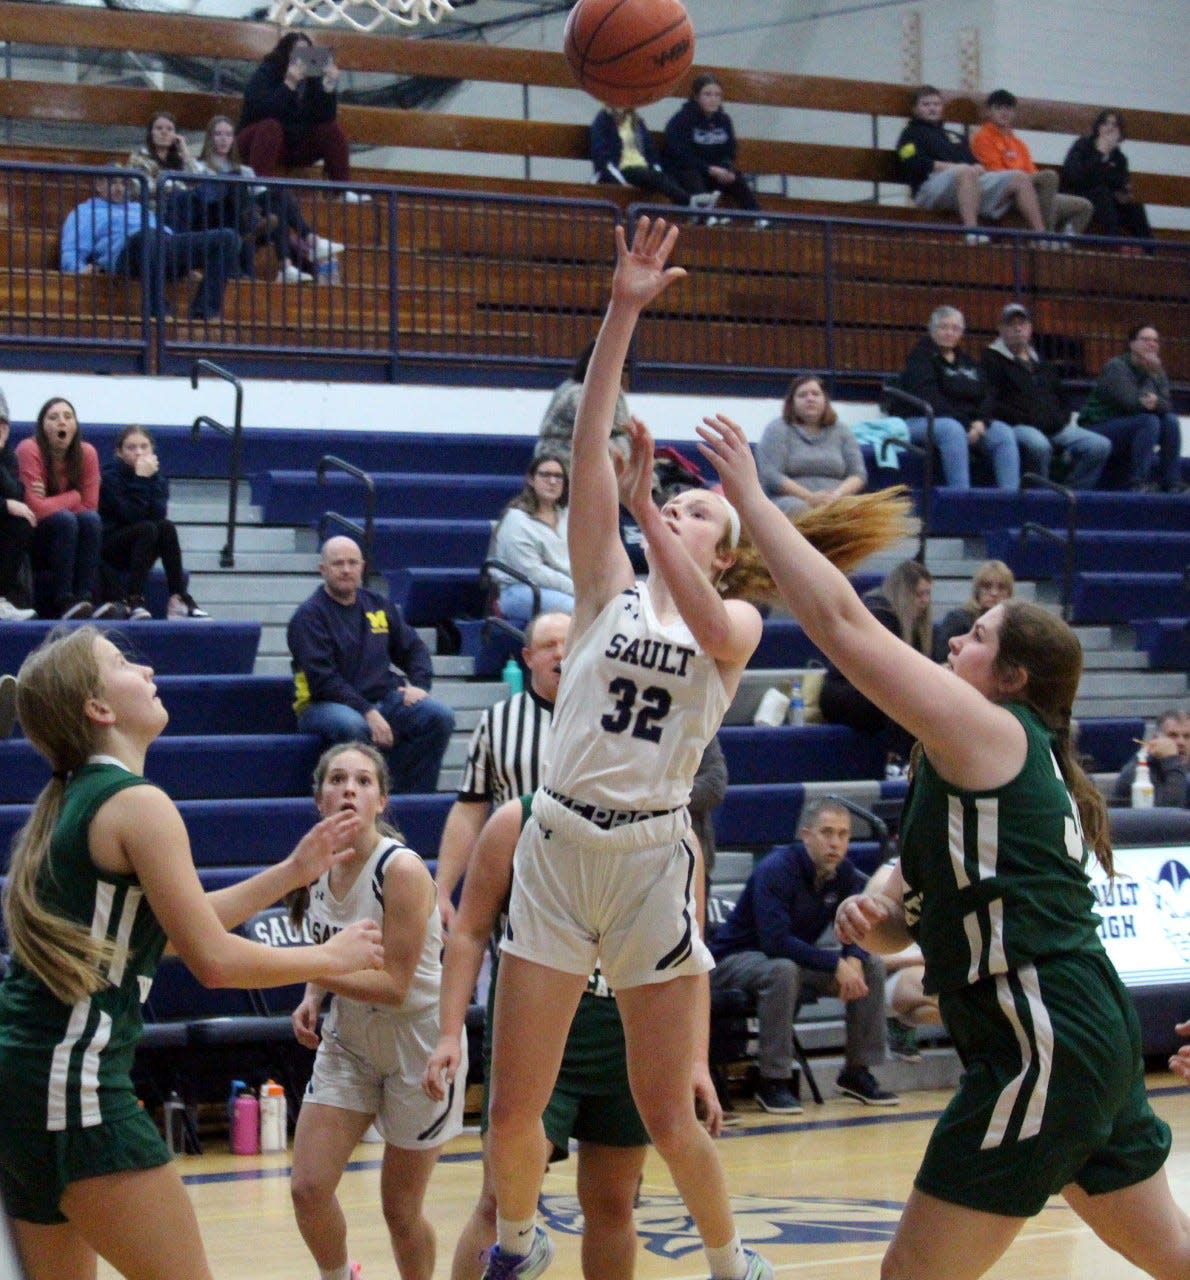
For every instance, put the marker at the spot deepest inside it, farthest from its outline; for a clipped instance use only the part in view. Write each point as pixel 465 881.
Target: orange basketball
pixel 628 53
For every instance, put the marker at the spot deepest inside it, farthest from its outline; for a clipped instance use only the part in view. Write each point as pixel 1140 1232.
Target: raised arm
pixel 598 561
pixel 140 829
pixel 970 740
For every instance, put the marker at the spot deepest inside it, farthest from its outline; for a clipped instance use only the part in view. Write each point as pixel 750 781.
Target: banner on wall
pixel 1145 914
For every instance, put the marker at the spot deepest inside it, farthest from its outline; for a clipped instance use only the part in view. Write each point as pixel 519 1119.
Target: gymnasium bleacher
pixel 842 289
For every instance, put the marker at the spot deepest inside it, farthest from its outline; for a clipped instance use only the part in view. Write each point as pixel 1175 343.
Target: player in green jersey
pixel 101 879
pixel 993 887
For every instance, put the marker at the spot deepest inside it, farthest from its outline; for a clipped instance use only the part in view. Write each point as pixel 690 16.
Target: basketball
pixel 628 53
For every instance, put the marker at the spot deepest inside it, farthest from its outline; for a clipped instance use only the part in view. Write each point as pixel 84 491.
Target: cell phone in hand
pixel 316 60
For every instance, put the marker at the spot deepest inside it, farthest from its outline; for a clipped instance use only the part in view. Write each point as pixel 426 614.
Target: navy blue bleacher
pixel 760 816
pixel 170 648
pixel 1114 551
pixel 1126 597
pixel 232 766
pixel 807 753
pixel 296 497
pixel 437 544
pixel 1110 743
pixel 971 512
pixel 783 644
pixel 1166 641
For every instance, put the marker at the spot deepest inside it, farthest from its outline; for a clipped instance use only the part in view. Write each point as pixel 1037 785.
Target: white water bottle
pixel 1142 784
pixel 273 1135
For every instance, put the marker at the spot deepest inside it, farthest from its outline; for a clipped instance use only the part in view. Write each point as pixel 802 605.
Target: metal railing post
pixel 227 557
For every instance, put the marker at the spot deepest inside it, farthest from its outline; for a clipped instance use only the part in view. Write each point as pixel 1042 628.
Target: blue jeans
pixel 950 438
pixel 1086 453
pixel 516 602
pixel 67 544
pixel 1135 438
pixel 420 735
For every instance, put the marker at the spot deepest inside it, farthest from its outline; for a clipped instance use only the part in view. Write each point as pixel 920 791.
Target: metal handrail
pixel 1031 480
pixel 227 557
pixel 925 409
pixel 329 462
pixel 491 622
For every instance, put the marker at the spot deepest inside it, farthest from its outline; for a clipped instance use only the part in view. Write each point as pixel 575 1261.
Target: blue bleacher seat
pixel 447 544
pixel 807 753
pixel 1166 641
pixel 1110 743
pixel 296 497
pixel 1124 597
pixel 229 766
pixel 1132 551
pixel 972 512
pixel 170 648
pixel 783 643
pixel 429 596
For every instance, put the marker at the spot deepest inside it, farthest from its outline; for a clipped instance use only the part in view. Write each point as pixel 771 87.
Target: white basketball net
pixel 363 15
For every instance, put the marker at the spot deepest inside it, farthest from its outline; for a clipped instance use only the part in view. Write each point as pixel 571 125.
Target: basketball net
pixel 363 15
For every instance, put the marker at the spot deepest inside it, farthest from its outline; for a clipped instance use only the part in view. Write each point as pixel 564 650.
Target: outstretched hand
pixel 634 474
pixel 641 273
pixel 725 447
pixel 325 844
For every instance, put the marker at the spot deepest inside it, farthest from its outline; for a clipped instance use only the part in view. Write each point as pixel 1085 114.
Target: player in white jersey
pixel 605 868
pixel 378 1033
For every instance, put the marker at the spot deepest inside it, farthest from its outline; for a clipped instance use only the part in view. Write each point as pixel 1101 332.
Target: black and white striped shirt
pixel 505 757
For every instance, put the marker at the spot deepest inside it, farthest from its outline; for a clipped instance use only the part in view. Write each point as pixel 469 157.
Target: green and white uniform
pixel 67 1107
pixel 997 896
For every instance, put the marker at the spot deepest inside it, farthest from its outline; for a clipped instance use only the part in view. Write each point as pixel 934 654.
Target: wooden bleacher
pixel 528 281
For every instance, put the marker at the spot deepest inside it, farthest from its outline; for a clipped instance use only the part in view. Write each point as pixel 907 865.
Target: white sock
pixel 728 1262
pixel 336 1273
pixel 516 1237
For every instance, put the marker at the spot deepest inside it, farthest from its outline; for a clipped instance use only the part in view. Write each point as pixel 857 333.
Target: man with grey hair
pixel 362 674
pixel 1168 753
pixel 772 946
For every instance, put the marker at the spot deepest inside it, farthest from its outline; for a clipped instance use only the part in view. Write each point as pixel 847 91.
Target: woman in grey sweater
pixel 807 457
pixel 531 538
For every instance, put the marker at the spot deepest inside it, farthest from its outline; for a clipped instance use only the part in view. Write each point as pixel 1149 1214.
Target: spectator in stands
pixel 379 1028
pixel 943 173
pixel 1096 169
pixel 165 151
pixel 17 523
pixel 1168 752
pixel 60 475
pixel 902 604
pixel 622 151
pixel 258 213
pixel 288 117
pixel 506 753
pixel 362 674
pixel 992 582
pixel 133 499
pixel 700 146
pixel 997 147
pixel 1130 405
pixel 938 372
pixel 906 1003
pixel 1027 393
pixel 771 947
pixel 116 235
pixel 557 425
pixel 530 537
pixel 807 457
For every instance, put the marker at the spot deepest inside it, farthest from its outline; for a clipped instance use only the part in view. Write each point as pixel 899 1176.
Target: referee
pixel 506 754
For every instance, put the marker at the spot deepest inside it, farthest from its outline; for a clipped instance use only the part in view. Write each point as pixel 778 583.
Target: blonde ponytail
pixel 53 684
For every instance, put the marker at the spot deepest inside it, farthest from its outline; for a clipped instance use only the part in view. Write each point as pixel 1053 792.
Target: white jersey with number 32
pixel 637 704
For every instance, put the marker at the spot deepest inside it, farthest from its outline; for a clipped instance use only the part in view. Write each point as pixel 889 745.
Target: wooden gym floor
pixel 819 1194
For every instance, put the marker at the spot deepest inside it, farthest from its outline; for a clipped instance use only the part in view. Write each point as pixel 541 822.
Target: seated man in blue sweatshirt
pixel 362 674
pixel 108 233
pixel 770 947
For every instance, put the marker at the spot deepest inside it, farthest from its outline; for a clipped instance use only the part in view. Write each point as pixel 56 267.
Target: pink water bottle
pixel 245 1125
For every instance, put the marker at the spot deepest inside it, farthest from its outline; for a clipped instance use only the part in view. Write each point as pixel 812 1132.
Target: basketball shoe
pixel 511 1266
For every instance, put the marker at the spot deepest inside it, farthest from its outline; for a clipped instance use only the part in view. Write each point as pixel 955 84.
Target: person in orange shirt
pixel 997 148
